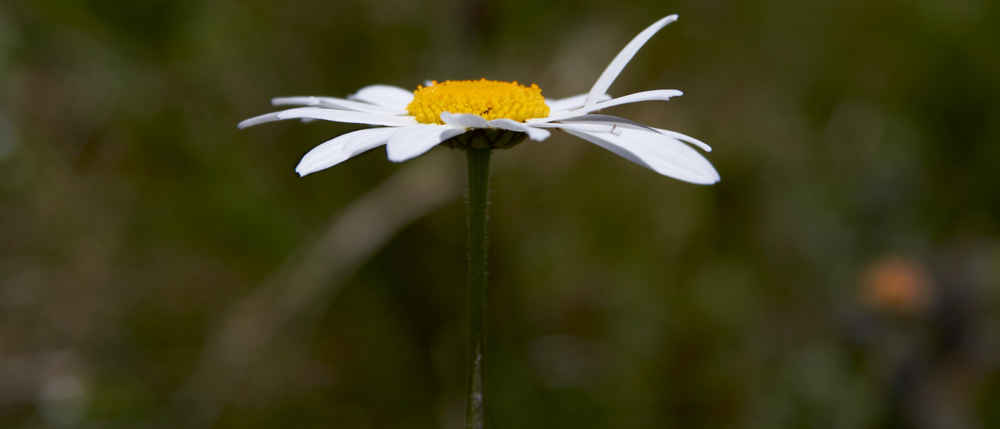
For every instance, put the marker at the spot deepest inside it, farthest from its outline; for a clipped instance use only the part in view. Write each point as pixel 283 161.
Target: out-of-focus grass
pixel 843 273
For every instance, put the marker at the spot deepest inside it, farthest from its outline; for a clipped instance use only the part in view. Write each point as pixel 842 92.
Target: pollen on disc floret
pixel 487 98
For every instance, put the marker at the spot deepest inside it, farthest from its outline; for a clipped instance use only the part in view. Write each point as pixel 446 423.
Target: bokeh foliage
pixel 844 273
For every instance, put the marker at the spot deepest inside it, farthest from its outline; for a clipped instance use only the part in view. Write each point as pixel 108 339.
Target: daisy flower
pixel 490 114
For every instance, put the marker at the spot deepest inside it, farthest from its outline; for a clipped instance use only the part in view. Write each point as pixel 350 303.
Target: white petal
pixel 464 120
pixel 340 149
pixel 413 141
pixel 307 114
pixel 655 95
pixel 655 151
pixel 268 117
pixel 600 120
pixel 616 66
pixel 535 134
pixel 347 116
pixel 336 103
pixel 331 115
pixel 385 96
pixel 570 103
pixel 685 138
pixel 595 127
pixel 295 101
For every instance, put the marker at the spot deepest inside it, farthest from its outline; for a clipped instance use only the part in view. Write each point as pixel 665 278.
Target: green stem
pixel 479 183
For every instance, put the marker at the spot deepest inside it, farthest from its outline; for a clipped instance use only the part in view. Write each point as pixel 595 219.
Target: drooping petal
pixel 616 66
pixel 685 138
pixel 536 134
pixel 570 103
pixel 336 103
pixel 413 141
pixel 342 148
pixel 384 95
pixel 654 95
pixel 464 120
pixel 331 115
pixel 660 153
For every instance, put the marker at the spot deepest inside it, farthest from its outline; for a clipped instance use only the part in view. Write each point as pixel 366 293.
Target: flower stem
pixel 479 183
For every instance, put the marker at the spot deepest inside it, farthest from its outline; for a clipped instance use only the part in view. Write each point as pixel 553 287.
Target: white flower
pixel 411 123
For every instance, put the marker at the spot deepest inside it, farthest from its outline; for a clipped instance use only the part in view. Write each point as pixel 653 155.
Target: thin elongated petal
pixel 335 151
pixel 415 140
pixel 256 120
pixel 347 116
pixel 464 120
pixel 295 101
pixel 654 95
pixel 600 128
pixel 660 153
pixel 336 103
pixel 604 121
pixel 340 103
pixel 685 138
pixel 608 77
pixel 607 119
pixel 331 115
pixel 570 103
pixel 384 95
pixel 536 134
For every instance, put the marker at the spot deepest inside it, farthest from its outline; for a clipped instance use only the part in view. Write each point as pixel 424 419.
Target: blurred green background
pixel 161 269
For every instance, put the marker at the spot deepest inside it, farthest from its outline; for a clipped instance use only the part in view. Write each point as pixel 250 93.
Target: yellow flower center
pixel 487 98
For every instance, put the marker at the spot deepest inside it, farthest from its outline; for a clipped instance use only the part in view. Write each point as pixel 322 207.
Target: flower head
pixel 494 114
pixel 487 98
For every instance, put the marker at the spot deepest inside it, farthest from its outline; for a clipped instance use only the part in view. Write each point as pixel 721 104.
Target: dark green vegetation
pixel 844 274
